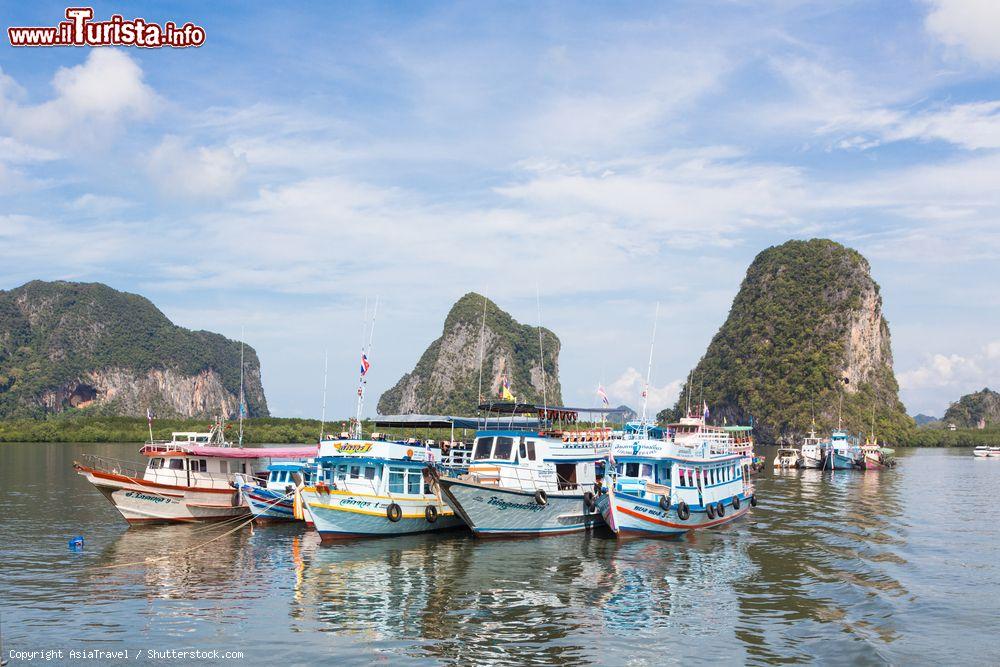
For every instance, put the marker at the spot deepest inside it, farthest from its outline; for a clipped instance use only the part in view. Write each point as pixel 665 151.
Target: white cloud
pixel 91 100
pixel 940 371
pixel 627 390
pixel 970 25
pixel 98 205
pixel 198 172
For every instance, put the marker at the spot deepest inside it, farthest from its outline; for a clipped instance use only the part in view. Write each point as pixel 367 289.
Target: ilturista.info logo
pixel 80 29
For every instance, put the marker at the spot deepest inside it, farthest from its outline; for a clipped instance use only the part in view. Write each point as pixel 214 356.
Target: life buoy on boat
pixel 431 513
pixel 720 509
pixel 588 500
pixel 753 500
pixel 683 513
pixel 394 512
pixel 665 503
pixel 736 502
pixel 541 497
pixel 710 511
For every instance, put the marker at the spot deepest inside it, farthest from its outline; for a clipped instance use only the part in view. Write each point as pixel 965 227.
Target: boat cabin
pixel 291 473
pixel 376 468
pixel 528 461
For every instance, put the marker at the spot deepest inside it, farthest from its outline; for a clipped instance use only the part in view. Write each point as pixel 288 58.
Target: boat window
pixel 483 447
pixel 531 450
pixel 155 463
pixel 504 448
pixel 202 439
pixel 646 470
pixel 224 466
pixel 369 472
pixel 355 472
pixel 414 480
pixel 523 450
pixel 342 470
pixel 199 465
pixel 396 480
pixel 176 464
pixel 631 469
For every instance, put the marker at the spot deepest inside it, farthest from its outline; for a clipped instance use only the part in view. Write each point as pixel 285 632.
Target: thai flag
pixel 603 394
pixel 364 364
pixel 704 410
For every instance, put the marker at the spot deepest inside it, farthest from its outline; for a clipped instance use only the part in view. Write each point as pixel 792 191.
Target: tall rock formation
pixel 976 410
pixel 805 328
pixel 86 346
pixel 446 378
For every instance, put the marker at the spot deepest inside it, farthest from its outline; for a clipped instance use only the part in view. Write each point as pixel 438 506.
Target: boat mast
pixel 322 419
pixel 242 396
pixel 482 348
pixel 366 349
pixel 541 351
pixel 649 369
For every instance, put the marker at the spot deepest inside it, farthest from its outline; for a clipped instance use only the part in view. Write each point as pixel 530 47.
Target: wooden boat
pixel 811 451
pixel 277 498
pixel 531 478
pixel 876 456
pixel 658 487
pixel 377 487
pixel 191 477
pixel 786 457
pixel 841 452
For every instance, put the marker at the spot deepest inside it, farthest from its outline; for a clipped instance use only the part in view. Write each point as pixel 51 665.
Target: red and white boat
pixel 189 478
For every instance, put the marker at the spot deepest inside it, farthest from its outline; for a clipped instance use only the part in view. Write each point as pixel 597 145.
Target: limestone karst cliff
pixel 805 327
pixel 446 378
pixel 86 346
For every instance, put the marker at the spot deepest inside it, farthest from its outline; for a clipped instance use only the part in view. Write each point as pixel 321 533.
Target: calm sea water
pixel 878 567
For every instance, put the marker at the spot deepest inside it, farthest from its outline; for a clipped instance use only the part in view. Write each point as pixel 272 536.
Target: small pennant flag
pixel 149 416
pixel 603 394
pixel 364 364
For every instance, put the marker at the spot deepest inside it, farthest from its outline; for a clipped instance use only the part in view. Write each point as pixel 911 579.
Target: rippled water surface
pixel 879 567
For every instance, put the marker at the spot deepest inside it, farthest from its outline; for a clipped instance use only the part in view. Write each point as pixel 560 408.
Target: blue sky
pixel 614 155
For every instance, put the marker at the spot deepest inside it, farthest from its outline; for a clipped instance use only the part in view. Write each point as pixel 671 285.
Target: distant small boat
pixel 811 451
pixel 877 456
pixel 787 457
pixel 840 453
pixel 984 451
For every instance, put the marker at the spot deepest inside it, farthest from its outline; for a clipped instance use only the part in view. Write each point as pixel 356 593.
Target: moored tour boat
pixel 376 488
pixel 189 478
pixel 841 452
pixel 525 480
pixel 658 486
pixel 275 498
pixel 811 451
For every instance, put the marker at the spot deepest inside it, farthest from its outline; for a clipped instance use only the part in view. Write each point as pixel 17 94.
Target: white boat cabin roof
pixel 377 449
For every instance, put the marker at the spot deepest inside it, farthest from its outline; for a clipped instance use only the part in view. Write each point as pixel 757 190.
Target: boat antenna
pixel 322 419
pixel 242 407
pixel 366 349
pixel 649 368
pixel 688 387
pixel 541 351
pixel 482 347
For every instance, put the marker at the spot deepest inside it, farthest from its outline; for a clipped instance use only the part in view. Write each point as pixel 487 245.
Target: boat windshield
pixel 483 448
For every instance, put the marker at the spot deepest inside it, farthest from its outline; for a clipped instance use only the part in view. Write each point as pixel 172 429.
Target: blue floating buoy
pixel 76 542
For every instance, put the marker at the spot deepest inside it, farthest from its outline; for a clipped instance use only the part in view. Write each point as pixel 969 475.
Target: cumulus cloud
pixel 627 389
pixel 199 172
pixel 964 372
pixel 969 25
pixel 90 100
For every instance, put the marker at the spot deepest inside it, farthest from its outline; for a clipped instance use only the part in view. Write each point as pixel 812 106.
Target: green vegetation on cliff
pixel 446 377
pixel 56 337
pixel 981 407
pixel 807 315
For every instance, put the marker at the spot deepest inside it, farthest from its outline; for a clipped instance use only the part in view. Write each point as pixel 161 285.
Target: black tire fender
pixel 394 512
pixel 683 512
pixel 431 513
pixel 736 502
pixel 720 509
pixel 753 500
pixel 665 503
pixel 541 497
pixel 710 511
pixel 589 500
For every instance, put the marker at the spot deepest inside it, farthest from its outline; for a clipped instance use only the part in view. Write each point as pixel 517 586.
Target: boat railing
pixel 522 478
pixel 114 466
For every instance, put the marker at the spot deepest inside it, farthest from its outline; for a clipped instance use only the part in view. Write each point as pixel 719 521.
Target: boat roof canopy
pixel 546 412
pixel 447 421
pixel 300 452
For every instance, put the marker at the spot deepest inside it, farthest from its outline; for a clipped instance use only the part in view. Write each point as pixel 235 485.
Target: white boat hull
pixel 494 511
pixel 345 515
pixel 144 502
pixel 628 515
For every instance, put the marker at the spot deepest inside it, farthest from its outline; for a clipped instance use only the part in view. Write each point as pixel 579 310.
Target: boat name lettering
pixel 142 496
pixel 507 505
pixel 353 447
pixel 354 502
